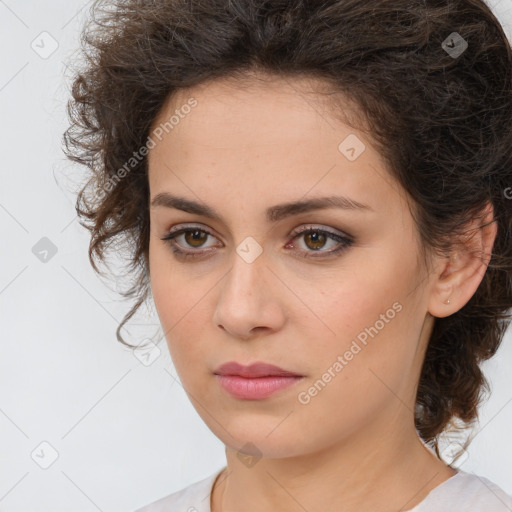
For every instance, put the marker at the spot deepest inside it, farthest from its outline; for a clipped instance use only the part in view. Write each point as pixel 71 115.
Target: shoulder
pixel 467 492
pixel 478 493
pixel 193 498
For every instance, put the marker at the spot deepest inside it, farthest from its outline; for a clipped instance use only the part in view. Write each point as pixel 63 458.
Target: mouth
pixel 256 388
pixel 256 381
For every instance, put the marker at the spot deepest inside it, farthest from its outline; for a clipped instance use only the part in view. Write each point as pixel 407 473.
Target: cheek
pixel 373 322
pixel 167 289
pixel 360 372
pixel 160 277
pixel 172 290
pixel 349 303
pixel 182 307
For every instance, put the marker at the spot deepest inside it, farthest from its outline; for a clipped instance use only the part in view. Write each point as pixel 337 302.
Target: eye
pixel 314 241
pixel 194 237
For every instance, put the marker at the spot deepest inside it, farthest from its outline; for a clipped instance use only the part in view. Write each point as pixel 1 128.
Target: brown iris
pixel 318 239
pixel 197 236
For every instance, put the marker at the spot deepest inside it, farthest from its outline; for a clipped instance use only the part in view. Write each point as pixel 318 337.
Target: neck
pixel 395 471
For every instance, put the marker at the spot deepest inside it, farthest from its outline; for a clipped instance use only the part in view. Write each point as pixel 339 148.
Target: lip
pixel 256 381
pixel 257 388
pixel 254 370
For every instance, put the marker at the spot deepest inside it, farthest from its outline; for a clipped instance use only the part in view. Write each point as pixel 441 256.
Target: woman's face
pixel 347 314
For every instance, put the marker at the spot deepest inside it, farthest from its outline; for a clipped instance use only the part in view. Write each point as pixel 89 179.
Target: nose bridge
pixel 245 280
pixel 247 260
pixel 245 301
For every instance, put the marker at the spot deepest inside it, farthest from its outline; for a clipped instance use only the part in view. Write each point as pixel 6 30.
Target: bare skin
pixel 353 446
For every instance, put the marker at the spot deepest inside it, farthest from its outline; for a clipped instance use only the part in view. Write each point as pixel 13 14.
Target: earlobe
pixel 442 302
pixel 460 274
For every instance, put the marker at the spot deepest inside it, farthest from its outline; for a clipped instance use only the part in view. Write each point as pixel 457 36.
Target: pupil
pixel 318 240
pixel 198 236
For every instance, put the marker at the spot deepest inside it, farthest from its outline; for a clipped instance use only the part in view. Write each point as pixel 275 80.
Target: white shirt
pixel 463 492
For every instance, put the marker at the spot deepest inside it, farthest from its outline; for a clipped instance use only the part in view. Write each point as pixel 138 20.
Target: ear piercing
pixel 447 301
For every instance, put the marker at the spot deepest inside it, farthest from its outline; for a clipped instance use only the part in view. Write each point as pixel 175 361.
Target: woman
pixel 316 195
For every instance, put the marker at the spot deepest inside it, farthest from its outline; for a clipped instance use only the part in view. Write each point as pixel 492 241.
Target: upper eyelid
pixel 318 227
pixel 345 237
pixel 185 228
pixel 295 231
pixel 342 239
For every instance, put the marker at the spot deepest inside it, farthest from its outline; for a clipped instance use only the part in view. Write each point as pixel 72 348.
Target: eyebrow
pixel 273 213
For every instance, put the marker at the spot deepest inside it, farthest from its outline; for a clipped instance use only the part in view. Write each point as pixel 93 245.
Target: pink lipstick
pixel 256 381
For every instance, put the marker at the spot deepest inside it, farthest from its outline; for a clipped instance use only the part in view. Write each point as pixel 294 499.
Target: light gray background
pixel 125 433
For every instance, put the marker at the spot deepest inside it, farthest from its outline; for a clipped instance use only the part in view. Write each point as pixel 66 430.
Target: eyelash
pixel 345 241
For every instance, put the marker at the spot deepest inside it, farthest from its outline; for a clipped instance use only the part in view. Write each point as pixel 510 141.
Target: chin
pixel 259 438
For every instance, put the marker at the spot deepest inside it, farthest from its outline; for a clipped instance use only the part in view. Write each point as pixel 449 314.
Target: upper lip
pixel 254 370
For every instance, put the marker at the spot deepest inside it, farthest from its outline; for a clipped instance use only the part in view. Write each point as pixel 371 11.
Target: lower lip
pixel 255 388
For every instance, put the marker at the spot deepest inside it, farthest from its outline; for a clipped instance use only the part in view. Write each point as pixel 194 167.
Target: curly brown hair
pixel 440 116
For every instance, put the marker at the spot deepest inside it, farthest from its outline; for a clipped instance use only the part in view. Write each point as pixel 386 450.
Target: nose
pixel 248 302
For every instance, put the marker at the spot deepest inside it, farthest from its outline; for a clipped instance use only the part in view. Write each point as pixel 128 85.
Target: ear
pixel 460 273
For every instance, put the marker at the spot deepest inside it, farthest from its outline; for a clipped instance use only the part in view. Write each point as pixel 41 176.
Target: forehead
pixel 277 139
pixel 260 106
pixel 251 117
